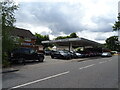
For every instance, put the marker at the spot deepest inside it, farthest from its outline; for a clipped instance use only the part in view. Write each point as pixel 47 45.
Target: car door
pixel 33 54
pixel 26 53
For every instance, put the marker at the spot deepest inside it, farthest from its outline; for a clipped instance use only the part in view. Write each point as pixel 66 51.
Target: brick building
pixel 26 38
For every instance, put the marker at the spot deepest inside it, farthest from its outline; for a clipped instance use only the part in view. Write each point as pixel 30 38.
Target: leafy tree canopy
pixel 116 26
pixel 7 22
pixel 112 43
pixel 72 35
pixel 8 19
pixel 41 38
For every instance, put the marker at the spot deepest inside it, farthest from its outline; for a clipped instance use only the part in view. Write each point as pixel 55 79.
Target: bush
pixel 5 60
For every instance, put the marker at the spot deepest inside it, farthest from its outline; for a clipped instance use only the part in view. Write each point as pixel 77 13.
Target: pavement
pixel 47 61
pixel 8 70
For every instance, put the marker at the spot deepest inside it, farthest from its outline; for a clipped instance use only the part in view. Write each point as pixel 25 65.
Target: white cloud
pixel 91 19
pixel 38 29
pixel 96 36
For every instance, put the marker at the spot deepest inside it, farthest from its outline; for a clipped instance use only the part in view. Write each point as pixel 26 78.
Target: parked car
pixel 86 54
pixel 61 54
pixel 25 54
pixel 47 52
pixel 106 54
pixel 114 52
pixel 76 54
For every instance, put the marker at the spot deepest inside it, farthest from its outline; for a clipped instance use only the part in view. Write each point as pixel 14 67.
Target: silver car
pixel 106 54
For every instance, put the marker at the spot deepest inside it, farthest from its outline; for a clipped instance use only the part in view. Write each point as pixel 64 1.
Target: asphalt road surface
pixel 92 73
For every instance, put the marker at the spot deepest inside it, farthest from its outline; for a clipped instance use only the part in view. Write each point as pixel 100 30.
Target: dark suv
pixel 25 54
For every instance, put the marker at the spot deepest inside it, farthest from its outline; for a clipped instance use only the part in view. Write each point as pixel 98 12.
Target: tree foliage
pixel 8 19
pixel 116 26
pixel 72 35
pixel 112 43
pixel 41 38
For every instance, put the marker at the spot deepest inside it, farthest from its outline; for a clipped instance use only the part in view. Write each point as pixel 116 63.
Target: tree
pixel 72 35
pixel 116 26
pixel 112 43
pixel 41 38
pixel 60 37
pixel 8 19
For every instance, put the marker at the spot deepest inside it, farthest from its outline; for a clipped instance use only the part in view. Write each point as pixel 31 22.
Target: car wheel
pixel 41 59
pixel 52 57
pixel 69 57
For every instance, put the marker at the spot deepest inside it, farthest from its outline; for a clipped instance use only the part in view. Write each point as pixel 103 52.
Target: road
pixel 91 73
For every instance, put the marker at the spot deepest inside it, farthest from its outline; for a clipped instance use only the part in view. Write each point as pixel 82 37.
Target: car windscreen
pixel 21 50
pixel 64 52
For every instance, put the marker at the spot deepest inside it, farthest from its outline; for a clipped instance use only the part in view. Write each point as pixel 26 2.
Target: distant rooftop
pixel 74 41
pixel 22 33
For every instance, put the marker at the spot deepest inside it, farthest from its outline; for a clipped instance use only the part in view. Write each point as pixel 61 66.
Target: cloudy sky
pixel 90 19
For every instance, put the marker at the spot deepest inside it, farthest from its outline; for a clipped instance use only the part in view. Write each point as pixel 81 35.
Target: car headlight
pixel 78 54
pixel 104 54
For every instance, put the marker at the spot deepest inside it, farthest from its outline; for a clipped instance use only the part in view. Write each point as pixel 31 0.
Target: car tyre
pixel 69 57
pixel 41 59
pixel 52 57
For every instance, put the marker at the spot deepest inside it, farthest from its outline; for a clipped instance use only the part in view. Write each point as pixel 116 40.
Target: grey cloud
pixel 61 17
pixel 100 38
pixel 52 16
pixel 103 23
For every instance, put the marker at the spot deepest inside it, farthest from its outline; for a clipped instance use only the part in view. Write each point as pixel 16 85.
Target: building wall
pixel 29 43
pixel 62 47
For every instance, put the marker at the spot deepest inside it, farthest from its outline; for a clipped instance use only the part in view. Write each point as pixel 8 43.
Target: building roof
pixel 74 41
pixel 22 33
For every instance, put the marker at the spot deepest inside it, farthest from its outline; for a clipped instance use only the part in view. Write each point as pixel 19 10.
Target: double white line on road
pixel 39 80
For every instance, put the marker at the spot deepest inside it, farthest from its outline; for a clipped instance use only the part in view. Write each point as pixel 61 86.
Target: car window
pixel 26 51
pixel 32 51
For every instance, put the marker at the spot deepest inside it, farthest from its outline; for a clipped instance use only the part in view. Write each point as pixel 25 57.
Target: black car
pixel 61 54
pixel 47 52
pixel 25 54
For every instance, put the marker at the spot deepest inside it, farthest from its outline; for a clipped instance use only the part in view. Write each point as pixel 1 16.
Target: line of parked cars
pixel 23 55
pixel 64 54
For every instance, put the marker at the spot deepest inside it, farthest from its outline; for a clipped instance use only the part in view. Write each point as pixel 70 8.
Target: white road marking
pixel 110 60
pixel 102 62
pixel 87 66
pixel 39 80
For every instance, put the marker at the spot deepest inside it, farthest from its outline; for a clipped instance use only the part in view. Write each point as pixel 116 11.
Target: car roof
pixel 22 48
